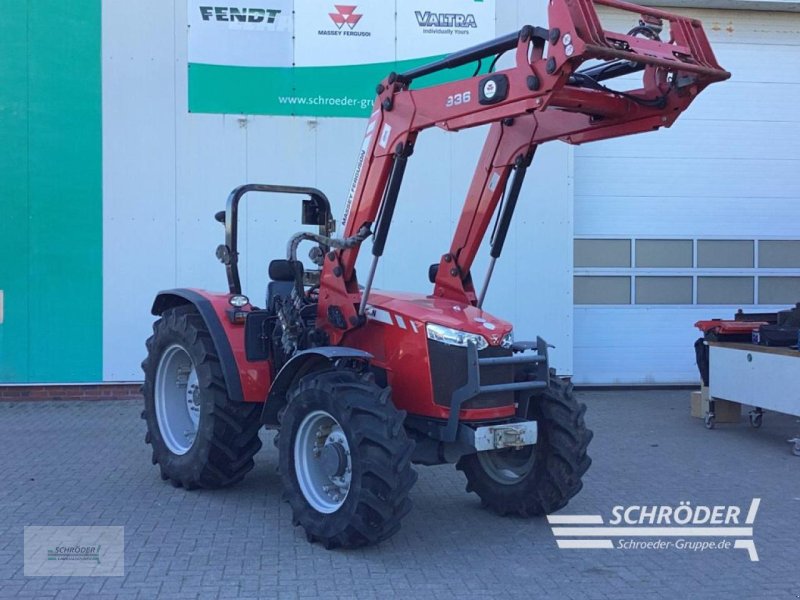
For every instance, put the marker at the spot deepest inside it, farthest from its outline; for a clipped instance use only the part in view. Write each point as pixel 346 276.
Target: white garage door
pixel 695 221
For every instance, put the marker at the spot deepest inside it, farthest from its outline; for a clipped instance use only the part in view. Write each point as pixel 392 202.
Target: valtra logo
pixel 345 18
pixel 345 15
pixel 445 23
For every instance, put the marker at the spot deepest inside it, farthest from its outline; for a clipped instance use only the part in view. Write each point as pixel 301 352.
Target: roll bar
pixel 316 211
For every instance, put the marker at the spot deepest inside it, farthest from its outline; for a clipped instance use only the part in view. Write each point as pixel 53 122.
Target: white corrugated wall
pixel 727 169
pixel 167 171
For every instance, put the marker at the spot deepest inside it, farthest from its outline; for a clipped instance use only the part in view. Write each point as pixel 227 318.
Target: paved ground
pixel 85 463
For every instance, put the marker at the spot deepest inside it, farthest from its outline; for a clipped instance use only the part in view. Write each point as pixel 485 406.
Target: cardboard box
pixel 724 411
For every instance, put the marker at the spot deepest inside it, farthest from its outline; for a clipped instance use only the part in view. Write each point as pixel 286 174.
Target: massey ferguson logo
pixel 345 15
pixel 239 15
pixel 445 22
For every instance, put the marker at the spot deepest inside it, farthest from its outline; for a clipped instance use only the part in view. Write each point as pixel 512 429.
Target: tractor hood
pixel 414 311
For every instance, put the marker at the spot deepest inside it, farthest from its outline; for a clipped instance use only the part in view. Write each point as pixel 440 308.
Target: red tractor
pixel 362 383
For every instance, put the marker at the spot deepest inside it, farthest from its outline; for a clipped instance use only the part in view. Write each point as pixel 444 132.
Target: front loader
pixel 362 383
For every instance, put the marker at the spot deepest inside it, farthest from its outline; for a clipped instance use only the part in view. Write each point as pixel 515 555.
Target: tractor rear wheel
pixel 542 478
pixel 200 438
pixel 345 459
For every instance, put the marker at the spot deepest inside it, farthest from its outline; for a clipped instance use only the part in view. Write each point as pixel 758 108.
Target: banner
pixel 317 58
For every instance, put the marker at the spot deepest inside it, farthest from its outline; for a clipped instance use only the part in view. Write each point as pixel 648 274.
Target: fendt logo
pixel 449 23
pixel 345 15
pixel 239 15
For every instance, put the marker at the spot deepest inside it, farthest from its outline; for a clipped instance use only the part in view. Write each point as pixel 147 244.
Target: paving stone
pixel 84 463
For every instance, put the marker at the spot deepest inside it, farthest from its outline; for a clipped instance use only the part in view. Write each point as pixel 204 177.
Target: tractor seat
pixel 281 274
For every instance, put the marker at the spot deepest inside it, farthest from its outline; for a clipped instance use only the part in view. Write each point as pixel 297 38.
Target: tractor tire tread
pixel 561 459
pixel 232 441
pixel 381 450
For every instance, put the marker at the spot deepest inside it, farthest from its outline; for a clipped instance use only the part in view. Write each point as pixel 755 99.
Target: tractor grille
pixel 449 372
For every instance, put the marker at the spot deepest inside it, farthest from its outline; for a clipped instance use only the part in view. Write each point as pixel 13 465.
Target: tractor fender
pixel 300 364
pixel 178 297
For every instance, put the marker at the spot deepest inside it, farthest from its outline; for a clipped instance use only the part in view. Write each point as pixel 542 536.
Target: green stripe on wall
pixel 14 191
pixel 51 191
pixel 338 91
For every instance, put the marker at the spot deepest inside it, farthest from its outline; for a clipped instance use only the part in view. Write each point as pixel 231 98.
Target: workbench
pixel 761 376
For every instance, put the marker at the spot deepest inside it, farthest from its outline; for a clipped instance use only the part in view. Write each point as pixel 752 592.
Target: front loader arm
pixel 549 94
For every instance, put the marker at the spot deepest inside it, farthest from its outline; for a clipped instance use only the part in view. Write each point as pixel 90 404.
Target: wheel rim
pixel 322 462
pixel 508 466
pixel 177 399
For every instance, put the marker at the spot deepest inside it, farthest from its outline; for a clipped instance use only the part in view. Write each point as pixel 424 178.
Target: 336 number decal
pixel 457 99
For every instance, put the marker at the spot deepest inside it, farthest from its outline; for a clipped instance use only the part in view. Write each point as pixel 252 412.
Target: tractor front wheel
pixel 542 478
pixel 345 459
pixel 200 438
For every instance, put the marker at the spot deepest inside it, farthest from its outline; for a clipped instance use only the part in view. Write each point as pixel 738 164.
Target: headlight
pixel 508 340
pixel 454 337
pixel 238 300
